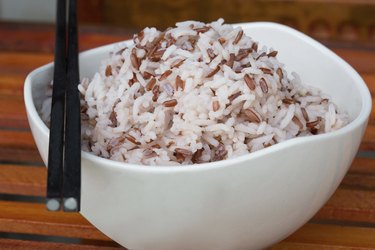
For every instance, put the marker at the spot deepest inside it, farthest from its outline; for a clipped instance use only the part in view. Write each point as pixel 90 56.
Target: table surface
pixel 347 220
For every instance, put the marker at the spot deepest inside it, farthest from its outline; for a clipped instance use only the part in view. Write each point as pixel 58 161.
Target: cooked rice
pixel 196 93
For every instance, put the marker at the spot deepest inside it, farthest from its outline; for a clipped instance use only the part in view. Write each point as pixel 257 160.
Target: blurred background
pixel 347 27
pixel 346 21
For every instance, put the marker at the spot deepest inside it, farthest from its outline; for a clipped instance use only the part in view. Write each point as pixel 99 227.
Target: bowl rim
pixel 361 119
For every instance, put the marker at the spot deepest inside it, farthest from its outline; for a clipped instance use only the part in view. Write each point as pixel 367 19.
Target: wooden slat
pixel 11 244
pixel 43 37
pixel 349 205
pixel 361 60
pixel 23 180
pixel 29 218
pixel 368 141
pixel 370 81
pixel 363 166
pixel 18 146
pixel 310 246
pixel 12 112
pixel 359 181
pixel 11 84
pixel 22 63
pixel 333 235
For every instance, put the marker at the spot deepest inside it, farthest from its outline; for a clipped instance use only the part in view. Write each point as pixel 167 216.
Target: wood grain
pixel 334 235
pixel 18 146
pixel 311 246
pixel 365 166
pixel 23 180
pixel 22 217
pixel 18 37
pixel 349 205
pixel 12 111
pixel 11 244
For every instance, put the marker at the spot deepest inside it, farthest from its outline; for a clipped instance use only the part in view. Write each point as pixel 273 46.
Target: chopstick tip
pixel 70 204
pixel 53 204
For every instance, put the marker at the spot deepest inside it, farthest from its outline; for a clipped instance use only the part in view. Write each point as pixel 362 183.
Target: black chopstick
pixel 72 169
pixel 56 138
pixel 64 160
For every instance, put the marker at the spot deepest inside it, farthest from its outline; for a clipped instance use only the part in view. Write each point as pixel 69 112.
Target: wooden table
pixel 347 221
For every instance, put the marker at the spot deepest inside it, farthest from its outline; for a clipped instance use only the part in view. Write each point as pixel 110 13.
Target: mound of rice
pixel 196 93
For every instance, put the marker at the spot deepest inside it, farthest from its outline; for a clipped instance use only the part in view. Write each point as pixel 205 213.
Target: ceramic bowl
pixel 248 202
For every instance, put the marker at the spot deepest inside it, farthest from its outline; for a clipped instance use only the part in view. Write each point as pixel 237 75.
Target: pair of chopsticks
pixel 64 159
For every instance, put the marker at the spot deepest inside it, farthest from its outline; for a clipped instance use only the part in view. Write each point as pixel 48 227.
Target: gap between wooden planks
pixel 332 235
pixel 12 244
pixel 32 218
pixel 18 146
pixel 341 238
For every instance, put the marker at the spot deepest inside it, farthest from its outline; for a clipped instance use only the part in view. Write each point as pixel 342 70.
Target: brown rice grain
pixel 272 53
pixel 238 37
pixel 263 85
pixel 165 75
pixel 177 63
pixel 279 72
pixel 261 55
pixel 213 72
pixel 266 71
pixel 197 156
pixel 215 106
pixel 180 84
pixel 151 84
pixel 183 151
pixel 221 40
pixel 252 115
pixel 242 53
pixel 249 82
pixel 155 92
pixel 134 60
pixel 108 70
pixel 147 75
pixel 230 62
pixel 202 29
pixel 211 53
pixel 170 103
pixel 288 101
pixel 305 115
pixel 297 122
pixel 313 123
pixel 132 139
pixel 231 98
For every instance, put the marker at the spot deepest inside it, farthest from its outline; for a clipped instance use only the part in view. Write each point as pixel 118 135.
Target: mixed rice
pixel 196 93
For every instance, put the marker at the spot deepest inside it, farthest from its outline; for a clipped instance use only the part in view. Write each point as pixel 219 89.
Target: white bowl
pixel 248 202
